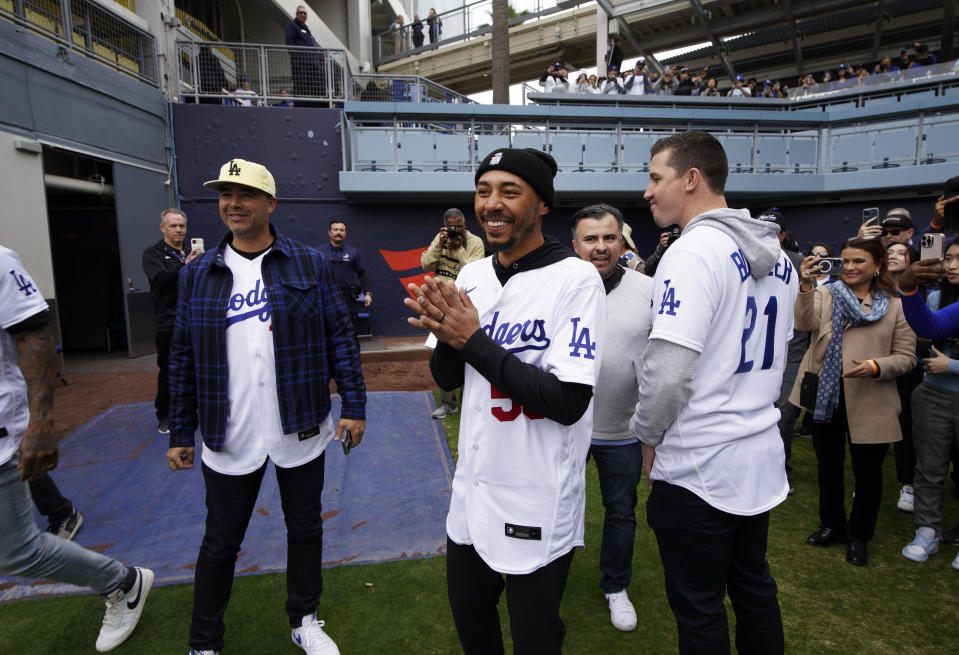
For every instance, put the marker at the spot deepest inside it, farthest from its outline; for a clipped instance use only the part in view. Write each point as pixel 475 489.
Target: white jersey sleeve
pixel 685 300
pixel 19 296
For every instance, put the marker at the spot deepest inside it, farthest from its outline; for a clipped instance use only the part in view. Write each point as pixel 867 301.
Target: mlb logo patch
pixel 496 159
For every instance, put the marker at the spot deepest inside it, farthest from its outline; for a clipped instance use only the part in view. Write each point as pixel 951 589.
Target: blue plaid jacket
pixel 312 340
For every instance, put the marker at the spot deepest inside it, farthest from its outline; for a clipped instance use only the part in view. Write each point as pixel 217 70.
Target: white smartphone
pixel 932 245
pixel 197 244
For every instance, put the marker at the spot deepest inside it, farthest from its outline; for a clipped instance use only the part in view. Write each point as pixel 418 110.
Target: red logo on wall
pixel 405 260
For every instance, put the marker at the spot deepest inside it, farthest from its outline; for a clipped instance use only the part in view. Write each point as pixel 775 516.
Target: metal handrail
pixel 459 24
pixel 93 32
pixel 212 72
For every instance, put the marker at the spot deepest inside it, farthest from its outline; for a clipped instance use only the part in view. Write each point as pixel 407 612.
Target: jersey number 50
pixel 769 349
pixel 511 414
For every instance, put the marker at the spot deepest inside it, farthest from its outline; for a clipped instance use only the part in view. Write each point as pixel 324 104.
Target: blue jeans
pixel 707 553
pixel 27 551
pixel 620 469
pixel 789 412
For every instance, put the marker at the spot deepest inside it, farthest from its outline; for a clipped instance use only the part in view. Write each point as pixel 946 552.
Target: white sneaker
pixel 311 638
pixel 123 611
pixel 444 410
pixel 905 498
pixel 204 652
pixel 925 544
pixel 621 611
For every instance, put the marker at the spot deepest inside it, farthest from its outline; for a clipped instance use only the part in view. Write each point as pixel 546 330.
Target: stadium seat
pixel 372 147
pixel 533 139
pixel 635 150
pixel 452 152
pixel 567 150
pixel 771 153
pixel 600 151
pixel 739 152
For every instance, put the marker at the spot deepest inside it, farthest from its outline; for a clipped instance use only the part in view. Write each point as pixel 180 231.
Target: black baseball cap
pixel 897 221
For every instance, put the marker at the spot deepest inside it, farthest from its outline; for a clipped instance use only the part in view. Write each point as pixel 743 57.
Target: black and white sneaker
pixel 123 611
pixel 68 527
pixel 163 426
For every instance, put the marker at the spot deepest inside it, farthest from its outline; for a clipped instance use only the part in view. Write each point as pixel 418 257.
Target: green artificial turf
pixel 891 607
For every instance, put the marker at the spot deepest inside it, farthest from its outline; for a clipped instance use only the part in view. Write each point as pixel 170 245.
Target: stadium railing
pixel 89 29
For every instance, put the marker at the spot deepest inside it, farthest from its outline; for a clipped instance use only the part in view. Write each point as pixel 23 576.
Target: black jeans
pixel 229 503
pixel 532 600
pixel 829 440
pixel 162 402
pixel 707 552
pixel 48 499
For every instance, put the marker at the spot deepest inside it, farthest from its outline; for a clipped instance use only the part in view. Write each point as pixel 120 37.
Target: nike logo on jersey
pixel 528 335
pixel 470 290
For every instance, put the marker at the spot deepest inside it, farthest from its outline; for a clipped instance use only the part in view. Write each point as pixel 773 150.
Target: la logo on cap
pixel 496 159
pixel 234 168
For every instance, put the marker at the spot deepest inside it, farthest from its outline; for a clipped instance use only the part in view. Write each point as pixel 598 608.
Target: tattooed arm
pixel 38 449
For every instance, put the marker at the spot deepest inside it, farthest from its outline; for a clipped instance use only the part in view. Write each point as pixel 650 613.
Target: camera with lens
pixel 674 233
pixel 454 232
pixel 830 266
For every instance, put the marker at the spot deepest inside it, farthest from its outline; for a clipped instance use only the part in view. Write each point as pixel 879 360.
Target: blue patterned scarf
pixel 845 307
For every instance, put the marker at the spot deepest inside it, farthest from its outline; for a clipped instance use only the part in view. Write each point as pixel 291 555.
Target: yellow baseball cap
pixel 628 235
pixel 247 173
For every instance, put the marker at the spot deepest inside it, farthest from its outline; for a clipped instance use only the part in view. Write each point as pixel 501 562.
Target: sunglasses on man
pixel 894 231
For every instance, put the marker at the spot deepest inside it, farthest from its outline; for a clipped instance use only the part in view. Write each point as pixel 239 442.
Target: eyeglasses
pixel 303 13
pixel 894 231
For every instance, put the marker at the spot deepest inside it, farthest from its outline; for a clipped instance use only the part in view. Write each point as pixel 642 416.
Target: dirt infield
pixel 88 394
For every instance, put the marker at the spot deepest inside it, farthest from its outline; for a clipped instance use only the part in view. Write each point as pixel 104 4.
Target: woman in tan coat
pixel 860 344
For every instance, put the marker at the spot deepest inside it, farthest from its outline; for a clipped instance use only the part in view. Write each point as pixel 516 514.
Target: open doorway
pixel 86 256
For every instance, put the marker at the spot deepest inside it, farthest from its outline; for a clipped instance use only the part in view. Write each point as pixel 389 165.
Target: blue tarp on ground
pixel 387 500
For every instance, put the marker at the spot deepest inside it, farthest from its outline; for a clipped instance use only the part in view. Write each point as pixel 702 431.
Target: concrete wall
pixel 23 222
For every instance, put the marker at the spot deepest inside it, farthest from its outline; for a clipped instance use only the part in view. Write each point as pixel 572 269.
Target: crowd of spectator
pixel 679 80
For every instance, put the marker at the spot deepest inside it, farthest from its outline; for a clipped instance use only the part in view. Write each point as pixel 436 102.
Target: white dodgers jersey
pixel 19 300
pixel 519 490
pixel 724 445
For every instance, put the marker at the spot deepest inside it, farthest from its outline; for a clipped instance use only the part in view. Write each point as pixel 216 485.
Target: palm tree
pixel 500 52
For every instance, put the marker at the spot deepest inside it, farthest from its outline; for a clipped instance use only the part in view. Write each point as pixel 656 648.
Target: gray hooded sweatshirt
pixel 668 368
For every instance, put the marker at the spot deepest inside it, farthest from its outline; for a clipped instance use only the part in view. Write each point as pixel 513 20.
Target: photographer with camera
pixel 666 239
pixel 451 249
pixel 554 79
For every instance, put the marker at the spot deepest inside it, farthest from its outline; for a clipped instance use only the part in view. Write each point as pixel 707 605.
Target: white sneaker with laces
pixel 311 638
pixel 203 652
pixel 621 611
pixel 123 611
pixel 925 544
pixel 905 498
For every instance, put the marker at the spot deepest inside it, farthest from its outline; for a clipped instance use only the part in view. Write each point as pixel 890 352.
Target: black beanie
pixel 535 167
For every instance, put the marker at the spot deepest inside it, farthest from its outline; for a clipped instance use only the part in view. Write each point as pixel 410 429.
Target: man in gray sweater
pixel 597 238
